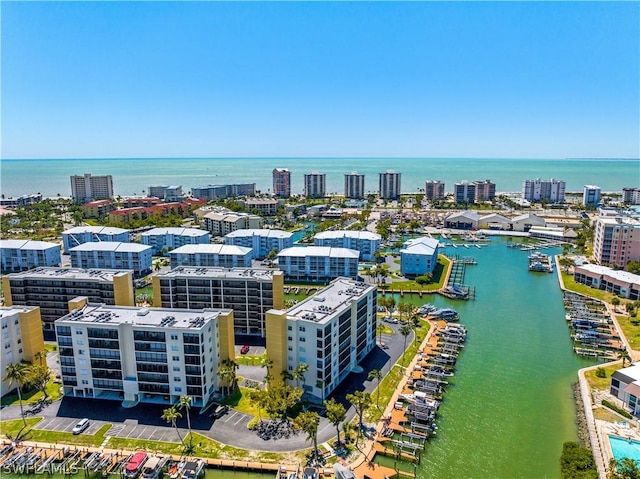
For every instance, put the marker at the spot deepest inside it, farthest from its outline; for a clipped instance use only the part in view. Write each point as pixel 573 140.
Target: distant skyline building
pixel 213 192
pixel 389 185
pixel 464 192
pixel 315 185
pixel 86 187
pixel 434 190
pixel 282 182
pixel 485 190
pixel 631 196
pixel 167 193
pixel 590 195
pixel 354 185
pixel 543 190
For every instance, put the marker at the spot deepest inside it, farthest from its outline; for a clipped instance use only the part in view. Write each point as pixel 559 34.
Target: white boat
pixel 153 467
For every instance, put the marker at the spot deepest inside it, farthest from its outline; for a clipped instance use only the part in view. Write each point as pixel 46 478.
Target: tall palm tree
pixel 17 373
pixel 267 363
pixel 171 415
pixel 380 330
pixel 40 355
pixel 405 331
pixel 376 374
pixel 309 421
pixel 185 403
pixel 336 413
pixel 624 355
pixel 361 401
pixel 232 367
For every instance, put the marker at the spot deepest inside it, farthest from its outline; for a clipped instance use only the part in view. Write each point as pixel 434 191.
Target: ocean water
pixel 134 176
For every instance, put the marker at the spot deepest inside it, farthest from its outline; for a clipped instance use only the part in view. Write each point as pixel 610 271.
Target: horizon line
pixel 319 158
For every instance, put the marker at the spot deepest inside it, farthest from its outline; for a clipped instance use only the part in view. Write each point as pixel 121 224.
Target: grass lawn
pixel 240 400
pixel 304 291
pixel 602 383
pixel 33 396
pixel 630 331
pixel 439 276
pixel 10 429
pixel 54 437
pixel 571 285
pixel 51 347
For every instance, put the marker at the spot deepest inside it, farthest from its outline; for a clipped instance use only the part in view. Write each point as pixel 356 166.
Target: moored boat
pixel 134 465
pixel 193 469
pixel 175 469
pixel 153 467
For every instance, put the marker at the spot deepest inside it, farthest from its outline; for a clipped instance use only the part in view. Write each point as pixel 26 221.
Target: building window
pixel 176 379
pixel 175 358
pixel 84 381
pixel 174 337
pixel 78 331
pixel 176 368
pixel 175 348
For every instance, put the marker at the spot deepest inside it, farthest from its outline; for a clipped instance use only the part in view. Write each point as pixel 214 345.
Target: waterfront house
pixel 418 257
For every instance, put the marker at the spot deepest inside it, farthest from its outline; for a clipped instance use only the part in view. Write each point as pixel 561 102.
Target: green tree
pixel 633 267
pixel 232 368
pixel 377 375
pixel 615 301
pixel 625 468
pixel 624 355
pixel 308 421
pixel 17 373
pixel 380 329
pixel 38 376
pixel 185 403
pixel 361 401
pixel 267 363
pixel 299 373
pixel 171 415
pixel 280 398
pixel 336 413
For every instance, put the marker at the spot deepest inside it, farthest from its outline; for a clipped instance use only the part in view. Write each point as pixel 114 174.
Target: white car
pixel 81 426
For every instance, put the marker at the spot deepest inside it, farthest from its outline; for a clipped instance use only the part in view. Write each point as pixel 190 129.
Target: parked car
pixel 219 410
pixel 81 426
pixel 244 349
pixel 389 319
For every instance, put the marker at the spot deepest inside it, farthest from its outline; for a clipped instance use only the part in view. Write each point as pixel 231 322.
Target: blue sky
pixel 450 79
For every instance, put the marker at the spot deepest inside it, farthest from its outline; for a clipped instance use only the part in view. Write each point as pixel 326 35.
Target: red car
pixel 244 349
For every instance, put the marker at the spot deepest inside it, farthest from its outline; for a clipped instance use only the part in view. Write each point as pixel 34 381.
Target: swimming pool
pixel 624 448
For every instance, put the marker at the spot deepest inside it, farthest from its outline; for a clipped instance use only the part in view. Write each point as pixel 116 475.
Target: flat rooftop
pixel 211 249
pixel 70 274
pixel 232 273
pixel 27 244
pixel 112 246
pixel 331 300
pixel 105 230
pixel 323 251
pixel 262 232
pixel 175 231
pixel 8 311
pixel 154 317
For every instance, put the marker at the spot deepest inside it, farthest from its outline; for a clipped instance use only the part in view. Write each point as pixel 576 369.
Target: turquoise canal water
pixel 509 407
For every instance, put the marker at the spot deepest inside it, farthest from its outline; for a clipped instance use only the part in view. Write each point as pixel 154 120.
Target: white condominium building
pixel 143 355
pixel 485 190
pixel 249 292
pixel 264 206
pixel 464 192
pixel 318 263
pixel 366 242
pixel 590 195
pixel 166 239
pixel 331 332
pixel 389 185
pixel 354 185
pixel 543 190
pixel 87 187
pixel 261 241
pixel 87 234
pixel 219 255
pixel 631 196
pixel 21 255
pixel 315 185
pixel 112 255
pixel 22 338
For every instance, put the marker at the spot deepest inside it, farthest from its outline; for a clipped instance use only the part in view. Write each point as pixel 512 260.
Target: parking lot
pixel 66 424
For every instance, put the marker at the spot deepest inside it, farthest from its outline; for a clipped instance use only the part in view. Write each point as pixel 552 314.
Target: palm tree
pixel 232 366
pixel 267 363
pixel 308 421
pixel 185 403
pixel 376 374
pixel 299 372
pixel 361 401
pixel 17 373
pixel 380 330
pixel 171 415
pixel 40 355
pixel 624 355
pixel 336 413
pixel 405 331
